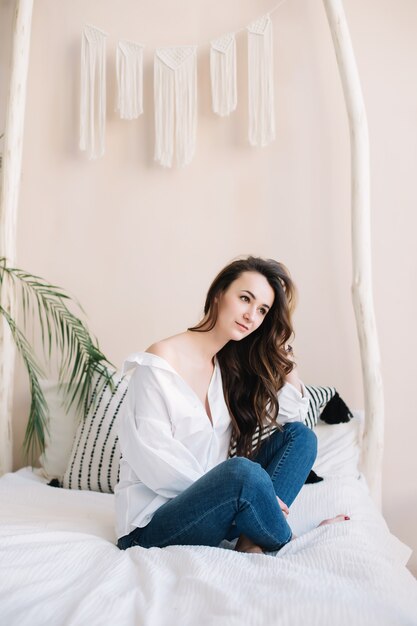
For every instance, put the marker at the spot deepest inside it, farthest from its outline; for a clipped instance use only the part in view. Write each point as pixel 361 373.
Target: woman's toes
pixel 339 518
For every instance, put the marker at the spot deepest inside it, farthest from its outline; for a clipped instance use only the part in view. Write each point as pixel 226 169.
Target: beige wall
pixel 138 245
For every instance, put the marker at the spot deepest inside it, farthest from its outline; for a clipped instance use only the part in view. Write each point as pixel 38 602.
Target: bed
pixel 60 565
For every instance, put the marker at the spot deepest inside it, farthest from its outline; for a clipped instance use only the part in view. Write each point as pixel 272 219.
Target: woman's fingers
pixel 283 506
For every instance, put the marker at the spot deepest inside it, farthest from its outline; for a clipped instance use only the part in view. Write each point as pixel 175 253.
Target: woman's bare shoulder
pixel 159 348
pixel 167 348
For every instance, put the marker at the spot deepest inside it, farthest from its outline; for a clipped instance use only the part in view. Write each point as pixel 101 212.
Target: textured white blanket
pixel 59 565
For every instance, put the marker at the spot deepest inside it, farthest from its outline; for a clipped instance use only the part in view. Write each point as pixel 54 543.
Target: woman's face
pixel 244 305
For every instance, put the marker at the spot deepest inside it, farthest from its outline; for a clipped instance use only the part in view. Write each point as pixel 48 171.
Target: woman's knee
pixel 242 470
pixel 305 436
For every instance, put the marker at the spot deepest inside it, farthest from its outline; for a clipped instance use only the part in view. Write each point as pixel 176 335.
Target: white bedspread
pixel 59 565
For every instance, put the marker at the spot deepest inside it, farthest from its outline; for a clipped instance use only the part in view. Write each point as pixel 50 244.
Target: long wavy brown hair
pixel 254 368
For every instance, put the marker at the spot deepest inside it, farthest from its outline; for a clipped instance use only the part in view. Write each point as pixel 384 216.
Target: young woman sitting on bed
pixel 192 397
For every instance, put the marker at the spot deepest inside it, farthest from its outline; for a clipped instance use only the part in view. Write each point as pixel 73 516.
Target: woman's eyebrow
pixel 251 294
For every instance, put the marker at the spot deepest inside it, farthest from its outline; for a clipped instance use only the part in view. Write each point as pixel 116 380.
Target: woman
pixel 195 396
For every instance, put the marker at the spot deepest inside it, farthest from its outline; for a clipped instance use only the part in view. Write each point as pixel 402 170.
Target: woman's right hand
pixel 283 506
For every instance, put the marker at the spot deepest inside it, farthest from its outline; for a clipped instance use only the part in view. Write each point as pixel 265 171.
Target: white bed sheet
pixel 59 565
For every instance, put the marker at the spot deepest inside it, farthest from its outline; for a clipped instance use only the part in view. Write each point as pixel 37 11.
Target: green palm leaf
pixel 38 415
pixel 81 360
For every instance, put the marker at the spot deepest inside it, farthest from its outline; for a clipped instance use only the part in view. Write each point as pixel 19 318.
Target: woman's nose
pixel 249 315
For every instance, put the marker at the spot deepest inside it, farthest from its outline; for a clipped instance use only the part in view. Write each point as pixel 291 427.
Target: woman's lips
pixel 242 327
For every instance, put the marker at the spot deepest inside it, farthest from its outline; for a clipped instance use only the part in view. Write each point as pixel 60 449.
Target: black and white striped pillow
pixel 95 455
pixel 319 397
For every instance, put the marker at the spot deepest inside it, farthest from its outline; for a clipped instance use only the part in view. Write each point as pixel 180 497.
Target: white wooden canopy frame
pixel 372 444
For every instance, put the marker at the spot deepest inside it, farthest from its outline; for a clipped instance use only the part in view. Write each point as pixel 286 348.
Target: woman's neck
pixel 208 344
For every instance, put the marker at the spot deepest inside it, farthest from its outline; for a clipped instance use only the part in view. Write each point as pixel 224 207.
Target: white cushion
pixel 339 447
pixel 86 455
pixel 95 455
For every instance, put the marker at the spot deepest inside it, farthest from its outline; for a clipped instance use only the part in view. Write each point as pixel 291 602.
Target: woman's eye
pixel 245 297
pixel 263 311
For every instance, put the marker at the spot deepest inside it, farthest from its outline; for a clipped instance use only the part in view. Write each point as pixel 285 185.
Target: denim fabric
pixel 237 496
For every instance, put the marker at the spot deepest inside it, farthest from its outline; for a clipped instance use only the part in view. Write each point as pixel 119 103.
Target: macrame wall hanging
pixel 175 89
pixel 261 83
pixel 175 93
pixel 129 73
pixel 93 92
pixel 223 75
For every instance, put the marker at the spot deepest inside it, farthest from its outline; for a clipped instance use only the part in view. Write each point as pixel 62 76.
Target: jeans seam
pixel 284 456
pixel 191 524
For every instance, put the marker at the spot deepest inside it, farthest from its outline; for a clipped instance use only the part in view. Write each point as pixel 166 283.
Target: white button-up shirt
pixel 166 439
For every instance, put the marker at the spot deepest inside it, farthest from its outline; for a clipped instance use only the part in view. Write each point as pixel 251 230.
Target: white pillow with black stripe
pixel 319 397
pixel 95 455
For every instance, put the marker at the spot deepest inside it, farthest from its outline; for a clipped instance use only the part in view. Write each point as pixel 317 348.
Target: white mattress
pixel 59 565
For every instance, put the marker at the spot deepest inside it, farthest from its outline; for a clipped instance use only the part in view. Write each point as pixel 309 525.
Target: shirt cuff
pixel 296 403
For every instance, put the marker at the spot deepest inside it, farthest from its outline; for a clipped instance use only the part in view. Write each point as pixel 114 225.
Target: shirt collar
pixel 151 360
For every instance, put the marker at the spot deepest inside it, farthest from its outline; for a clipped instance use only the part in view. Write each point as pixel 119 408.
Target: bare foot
pixel 244 544
pixel 332 520
pixel 251 549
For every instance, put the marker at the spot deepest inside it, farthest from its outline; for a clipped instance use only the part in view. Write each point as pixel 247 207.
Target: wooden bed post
pixel 12 162
pixel 373 439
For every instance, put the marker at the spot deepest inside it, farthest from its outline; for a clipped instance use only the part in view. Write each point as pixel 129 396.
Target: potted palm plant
pixel 80 359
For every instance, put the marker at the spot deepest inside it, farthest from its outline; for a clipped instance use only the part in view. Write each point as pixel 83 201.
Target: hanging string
pixel 223 75
pixel 270 12
pixel 93 91
pixel 236 32
pixel 129 73
pixel 175 89
pixel 261 82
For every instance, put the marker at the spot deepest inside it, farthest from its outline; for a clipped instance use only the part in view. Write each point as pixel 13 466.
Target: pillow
pixel 339 445
pixel 62 425
pixel 319 398
pixel 95 455
pixel 328 406
pixel 336 411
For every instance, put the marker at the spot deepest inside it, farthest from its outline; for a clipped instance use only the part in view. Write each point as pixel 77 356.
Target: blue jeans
pixel 236 497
